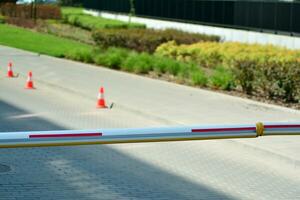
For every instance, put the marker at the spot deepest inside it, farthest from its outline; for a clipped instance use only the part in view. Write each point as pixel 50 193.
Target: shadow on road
pixel 16 119
pixel 86 172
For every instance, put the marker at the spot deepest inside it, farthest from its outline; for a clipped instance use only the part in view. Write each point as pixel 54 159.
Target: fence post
pixel 275 18
pixel 291 18
pixel 132 10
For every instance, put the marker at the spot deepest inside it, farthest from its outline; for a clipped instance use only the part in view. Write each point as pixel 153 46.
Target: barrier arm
pixel 137 135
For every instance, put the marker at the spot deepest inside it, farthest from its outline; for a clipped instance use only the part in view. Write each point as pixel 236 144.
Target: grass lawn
pixel 76 17
pixel 38 42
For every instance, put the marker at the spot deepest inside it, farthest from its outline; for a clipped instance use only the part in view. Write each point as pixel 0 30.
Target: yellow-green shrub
pixel 265 70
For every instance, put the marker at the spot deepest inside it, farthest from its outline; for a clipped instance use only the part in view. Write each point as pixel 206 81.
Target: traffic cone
pixel 10 73
pixel 29 83
pixel 101 100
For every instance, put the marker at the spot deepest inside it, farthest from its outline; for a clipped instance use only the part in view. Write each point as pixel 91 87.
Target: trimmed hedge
pixel 146 40
pixel 263 70
pixel 76 17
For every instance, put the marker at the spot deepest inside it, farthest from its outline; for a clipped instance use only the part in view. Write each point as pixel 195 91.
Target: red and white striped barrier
pixel 135 135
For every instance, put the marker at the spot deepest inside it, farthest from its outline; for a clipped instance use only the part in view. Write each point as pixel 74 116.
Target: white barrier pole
pixel 136 135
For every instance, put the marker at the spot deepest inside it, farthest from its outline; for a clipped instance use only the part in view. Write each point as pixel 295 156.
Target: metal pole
pixel 31 10
pixel 137 135
pixel 35 11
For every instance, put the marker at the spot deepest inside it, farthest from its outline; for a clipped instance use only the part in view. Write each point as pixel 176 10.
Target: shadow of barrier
pixel 83 172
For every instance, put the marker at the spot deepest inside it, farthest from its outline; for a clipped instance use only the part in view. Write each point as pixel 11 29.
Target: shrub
pixel 138 63
pixel 2 19
pixel 212 54
pixel 90 23
pixel 161 64
pixel 128 64
pixel 198 78
pixel 112 57
pixel 100 59
pixel 263 70
pixel 174 67
pixel 184 73
pixel 205 54
pixel 245 73
pixel 280 79
pixel 275 79
pixel 145 40
pixel 222 79
pixel 80 55
pixel 76 17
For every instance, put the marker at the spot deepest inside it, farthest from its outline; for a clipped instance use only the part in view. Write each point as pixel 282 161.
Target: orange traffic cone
pixel 10 73
pixel 101 100
pixel 29 83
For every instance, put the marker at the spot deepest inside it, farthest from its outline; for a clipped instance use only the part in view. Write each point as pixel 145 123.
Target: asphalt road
pixel 65 98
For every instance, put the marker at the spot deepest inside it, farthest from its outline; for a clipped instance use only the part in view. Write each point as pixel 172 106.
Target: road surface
pixel 65 98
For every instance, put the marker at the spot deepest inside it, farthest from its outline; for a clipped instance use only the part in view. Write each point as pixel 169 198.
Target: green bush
pixel 2 19
pixel 144 63
pixel 276 79
pixel 280 80
pixel 138 63
pixel 161 64
pixel 145 40
pixel 80 55
pixel 198 78
pixel 222 78
pixel 264 70
pixel 76 17
pixel 112 57
pixel 174 67
pixel 246 74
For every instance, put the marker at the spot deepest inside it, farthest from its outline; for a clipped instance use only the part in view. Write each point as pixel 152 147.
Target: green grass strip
pixel 38 42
